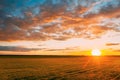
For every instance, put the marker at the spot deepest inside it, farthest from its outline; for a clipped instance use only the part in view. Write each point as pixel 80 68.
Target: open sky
pixel 59 27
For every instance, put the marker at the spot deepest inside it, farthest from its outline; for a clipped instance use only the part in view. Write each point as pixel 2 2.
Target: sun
pixel 96 52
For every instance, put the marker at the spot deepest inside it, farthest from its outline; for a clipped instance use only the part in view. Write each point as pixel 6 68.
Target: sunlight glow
pixel 96 52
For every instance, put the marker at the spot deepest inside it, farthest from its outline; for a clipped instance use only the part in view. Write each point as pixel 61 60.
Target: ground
pixel 60 68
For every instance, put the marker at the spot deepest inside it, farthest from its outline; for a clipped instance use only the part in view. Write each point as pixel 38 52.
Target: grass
pixel 59 68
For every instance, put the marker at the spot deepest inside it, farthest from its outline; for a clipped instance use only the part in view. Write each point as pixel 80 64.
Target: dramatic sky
pixel 59 27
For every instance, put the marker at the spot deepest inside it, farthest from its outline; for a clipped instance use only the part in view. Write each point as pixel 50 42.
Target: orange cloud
pixel 54 22
pixel 112 44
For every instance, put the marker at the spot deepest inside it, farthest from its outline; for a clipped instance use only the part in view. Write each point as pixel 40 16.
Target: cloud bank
pixel 112 44
pixel 17 48
pixel 57 19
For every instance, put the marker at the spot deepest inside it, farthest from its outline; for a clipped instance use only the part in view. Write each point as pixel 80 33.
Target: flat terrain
pixel 59 68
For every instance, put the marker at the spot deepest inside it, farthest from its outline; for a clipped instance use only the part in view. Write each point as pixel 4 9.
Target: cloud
pixel 117 50
pixel 112 44
pixel 57 19
pixel 102 6
pixel 16 48
pixel 64 49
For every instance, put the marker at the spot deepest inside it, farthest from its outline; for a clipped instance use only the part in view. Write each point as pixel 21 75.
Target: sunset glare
pixel 96 52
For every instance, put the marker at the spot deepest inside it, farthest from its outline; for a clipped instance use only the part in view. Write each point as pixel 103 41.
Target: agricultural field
pixel 60 68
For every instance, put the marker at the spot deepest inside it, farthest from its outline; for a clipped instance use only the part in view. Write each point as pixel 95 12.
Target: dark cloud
pixel 16 48
pixel 57 19
pixel 112 44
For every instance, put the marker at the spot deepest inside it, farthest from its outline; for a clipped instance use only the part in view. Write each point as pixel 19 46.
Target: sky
pixel 59 27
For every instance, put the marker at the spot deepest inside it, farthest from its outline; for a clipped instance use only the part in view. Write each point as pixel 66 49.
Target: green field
pixel 59 68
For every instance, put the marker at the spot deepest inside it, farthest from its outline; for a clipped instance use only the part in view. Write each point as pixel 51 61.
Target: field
pixel 59 68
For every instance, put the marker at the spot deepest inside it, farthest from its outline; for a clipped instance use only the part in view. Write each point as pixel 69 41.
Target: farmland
pixel 59 68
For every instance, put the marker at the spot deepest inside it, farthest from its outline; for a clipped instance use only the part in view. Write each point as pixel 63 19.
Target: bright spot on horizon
pixel 96 52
